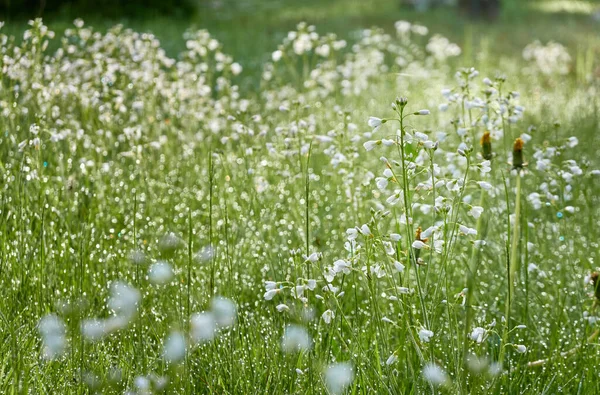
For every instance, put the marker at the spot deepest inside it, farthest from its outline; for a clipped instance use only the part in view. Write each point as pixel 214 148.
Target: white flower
pixel 466 230
pixel 572 141
pixel 365 230
pixel 478 334
pixel 398 266
pixel 236 68
pixel 203 327
pixel 276 56
pixel 382 183
pixel 475 211
pixel 395 237
pixel 270 294
pixel 351 233
pixel 434 374
pixel 160 273
pixel 485 166
pixel 521 348
pixel 341 266
pixel 418 244
pixel 123 300
pixel 375 123
pixel 338 376
pixel 52 330
pixel 282 307
pixel 174 348
pixel 224 311
pixel 369 145
pixel 485 185
pixel 422 112
pixel 425 335
pixel 295 338
pixel 392 359
pixel 270 285
pixel 142 383
pixel 93 329
pixel 327 316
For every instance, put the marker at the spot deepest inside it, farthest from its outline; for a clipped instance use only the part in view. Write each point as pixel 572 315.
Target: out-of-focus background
pixel 250 29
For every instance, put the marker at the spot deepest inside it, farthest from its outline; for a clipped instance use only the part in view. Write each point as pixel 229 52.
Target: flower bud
pixel 518 162
pixel 486 145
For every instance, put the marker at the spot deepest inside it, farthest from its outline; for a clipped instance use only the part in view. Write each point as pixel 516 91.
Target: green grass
pixel 262 193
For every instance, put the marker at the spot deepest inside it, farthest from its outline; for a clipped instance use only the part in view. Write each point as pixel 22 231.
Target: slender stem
pixel 514 261
pixel 407 214
pixel 210 222
pixel 471 274
pixel 512 267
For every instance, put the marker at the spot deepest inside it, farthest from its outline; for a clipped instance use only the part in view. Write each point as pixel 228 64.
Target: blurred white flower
pixel 295 338
pixel 435 375
pixel 224 311
pixel 203 327
pixel 160 273
pixel 174 347
pixel 338 377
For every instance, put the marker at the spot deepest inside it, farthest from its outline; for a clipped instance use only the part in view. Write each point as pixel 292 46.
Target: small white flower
pixel 476 211
pixel 422 112
pixel 327 316
pixel 478 335
pixel 236 68
pixel 276 56
pixel 375 123
pixel 369 145
pixel 485 185
pixel 270 285
pixel 398 266
pixel 395 237
pixel 521 348
pixel 418 244
pixel 365 230
pixel 466 230
pixel 425 335
pixel 352 233
pixel 392 359
pixel 282 307
pixel 270 294
pixel 382 183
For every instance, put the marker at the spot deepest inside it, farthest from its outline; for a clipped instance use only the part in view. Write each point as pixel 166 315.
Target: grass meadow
pixel 328 198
